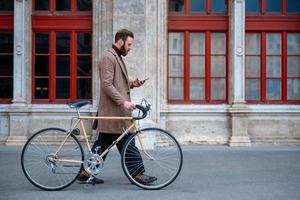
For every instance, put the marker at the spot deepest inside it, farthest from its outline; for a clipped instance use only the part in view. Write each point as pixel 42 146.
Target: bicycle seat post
pixel 78 113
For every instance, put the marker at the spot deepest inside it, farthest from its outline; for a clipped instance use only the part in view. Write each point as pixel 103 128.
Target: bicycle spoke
pixel 38 165
pixel 157 152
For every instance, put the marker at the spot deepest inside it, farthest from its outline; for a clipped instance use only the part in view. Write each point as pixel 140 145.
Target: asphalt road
pixel 208 173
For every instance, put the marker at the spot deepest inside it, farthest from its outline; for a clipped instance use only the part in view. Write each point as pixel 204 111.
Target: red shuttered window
pixel 197 51
pixel 62 50
pixel 6 50
pixel 272 51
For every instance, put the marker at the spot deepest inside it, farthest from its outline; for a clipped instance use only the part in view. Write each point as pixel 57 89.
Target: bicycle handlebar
pixel 144 111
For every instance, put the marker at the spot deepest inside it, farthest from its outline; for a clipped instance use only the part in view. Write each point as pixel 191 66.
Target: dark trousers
pixel 133 161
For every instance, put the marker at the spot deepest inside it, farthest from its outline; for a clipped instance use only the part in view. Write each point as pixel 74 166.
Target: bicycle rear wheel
pixel 153 152
pixel 43 168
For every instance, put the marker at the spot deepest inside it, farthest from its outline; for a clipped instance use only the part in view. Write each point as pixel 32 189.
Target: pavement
pixel 208 173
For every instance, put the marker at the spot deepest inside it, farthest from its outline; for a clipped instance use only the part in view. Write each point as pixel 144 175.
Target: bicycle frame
pixel 80 121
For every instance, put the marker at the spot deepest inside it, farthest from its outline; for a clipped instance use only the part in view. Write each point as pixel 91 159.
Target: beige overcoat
pixel 114 90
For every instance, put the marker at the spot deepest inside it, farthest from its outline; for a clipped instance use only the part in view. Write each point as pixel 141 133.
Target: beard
pixel 123 50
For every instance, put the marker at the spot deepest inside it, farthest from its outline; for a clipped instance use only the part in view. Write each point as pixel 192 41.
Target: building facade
pixel 220 71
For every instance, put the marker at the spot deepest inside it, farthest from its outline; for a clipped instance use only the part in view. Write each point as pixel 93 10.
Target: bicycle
pixel 53 158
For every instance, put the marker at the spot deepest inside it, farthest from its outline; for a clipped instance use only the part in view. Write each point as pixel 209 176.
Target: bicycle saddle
pixel 78 104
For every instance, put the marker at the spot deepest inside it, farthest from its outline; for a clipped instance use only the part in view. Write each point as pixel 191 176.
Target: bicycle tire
pixel 40 170
pixel 161 159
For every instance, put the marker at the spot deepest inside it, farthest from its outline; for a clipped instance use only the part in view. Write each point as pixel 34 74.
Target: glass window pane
pixel 197 89
pixel 218 6
pixel 62 65
pixel 176 6
pixel 273 66
pixel 176 43
pixel 218 43
pixel 176 66
pixel 218 66
pixel 273 44
pixel 197 43
pixel 84 5
pixel 273 5
pixel 84 43
pixel 6 88
pixel 62 42
pixel 252 43
pixel 252 6
pixel 6 65
pixel 273 89
pixel 293 6
pixel 84 88
pixel 252 66
pixel 293 66
pixel 293 43
pixel 197 5
pixel 42 43
pixel 6 42
pixel 63 5
pixel 218 89
pixel 197 66
pixel 293 92
pixel 41 88
pixel 41 66
pixel 6 5
pixel 62 88
pixel 175 89
pixel 41 4
pixel 252 89
pixel 84 66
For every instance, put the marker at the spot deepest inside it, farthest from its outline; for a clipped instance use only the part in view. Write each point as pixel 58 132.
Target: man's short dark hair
pixel 123 34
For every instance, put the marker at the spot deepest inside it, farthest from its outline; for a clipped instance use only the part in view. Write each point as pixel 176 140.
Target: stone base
pixel 238 141
pixel 283 140
pixel 3 140
pixel 15 140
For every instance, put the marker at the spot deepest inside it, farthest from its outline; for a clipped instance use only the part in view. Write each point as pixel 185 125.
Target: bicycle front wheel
pixel 46 169
pixel 152 153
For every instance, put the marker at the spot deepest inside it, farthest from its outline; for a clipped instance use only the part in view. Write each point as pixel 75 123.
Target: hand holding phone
pixel 138 83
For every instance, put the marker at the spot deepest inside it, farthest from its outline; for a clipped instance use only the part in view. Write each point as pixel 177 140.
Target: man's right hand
pixel 129 105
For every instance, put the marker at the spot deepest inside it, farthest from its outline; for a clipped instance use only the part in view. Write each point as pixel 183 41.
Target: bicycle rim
pixel 45 173
pixel 153 152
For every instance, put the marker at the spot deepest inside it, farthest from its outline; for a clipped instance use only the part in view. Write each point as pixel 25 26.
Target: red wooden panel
pixel 73 72
pixel 273 23
pixel 6 22
pixel 197 23
pixel 284 66
pixel 62 22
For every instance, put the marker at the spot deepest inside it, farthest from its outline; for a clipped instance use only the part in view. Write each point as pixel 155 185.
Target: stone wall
pixel 235 123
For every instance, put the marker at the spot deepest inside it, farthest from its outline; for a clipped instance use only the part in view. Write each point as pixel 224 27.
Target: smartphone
pixel 143 81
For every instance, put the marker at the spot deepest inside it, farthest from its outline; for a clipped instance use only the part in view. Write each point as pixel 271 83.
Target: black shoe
pixel 145 179
pixel 83 179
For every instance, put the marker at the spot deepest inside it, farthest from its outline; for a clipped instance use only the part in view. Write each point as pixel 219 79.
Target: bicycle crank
pixel 93 164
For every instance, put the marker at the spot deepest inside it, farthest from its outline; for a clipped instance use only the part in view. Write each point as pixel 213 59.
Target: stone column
pixel 20 51
pixel 96 50
pixel 140 16
pixel 238 108
pixel 18 115
pixel 152 87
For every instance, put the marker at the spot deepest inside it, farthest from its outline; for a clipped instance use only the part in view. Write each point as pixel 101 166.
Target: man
pixel 115 101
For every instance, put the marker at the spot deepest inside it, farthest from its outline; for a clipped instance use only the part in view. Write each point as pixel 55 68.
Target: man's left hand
pixel 137 83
